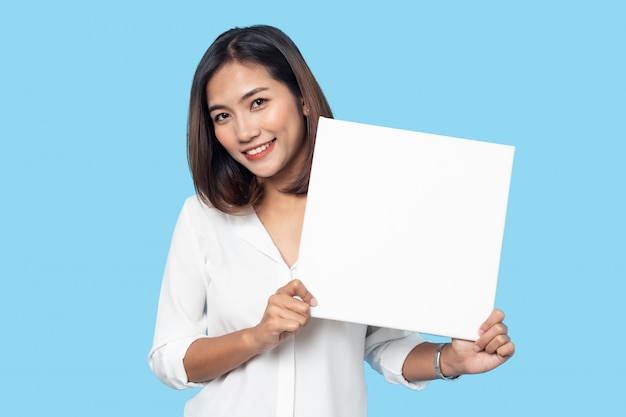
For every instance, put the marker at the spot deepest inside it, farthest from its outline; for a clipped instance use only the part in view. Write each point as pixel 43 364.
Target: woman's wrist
pixel 449 365
pixel 250 341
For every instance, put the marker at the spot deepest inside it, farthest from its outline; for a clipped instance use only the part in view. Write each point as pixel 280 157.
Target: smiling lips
pixel 259 151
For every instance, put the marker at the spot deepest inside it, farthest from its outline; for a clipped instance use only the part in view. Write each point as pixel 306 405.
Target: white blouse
pixel 220 272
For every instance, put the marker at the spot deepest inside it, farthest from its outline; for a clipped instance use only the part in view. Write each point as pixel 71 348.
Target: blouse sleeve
pixel 386 351
pixel 181 315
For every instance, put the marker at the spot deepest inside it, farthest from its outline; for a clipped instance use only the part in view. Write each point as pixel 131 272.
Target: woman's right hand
pixel 287 311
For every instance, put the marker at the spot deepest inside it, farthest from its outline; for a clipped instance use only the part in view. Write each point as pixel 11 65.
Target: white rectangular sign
pixel 404 229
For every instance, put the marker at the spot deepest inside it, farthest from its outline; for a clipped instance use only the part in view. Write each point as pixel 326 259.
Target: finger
pixel 492 338
pixel 496 316
pixel 280 319
pixel 283 325
pixel 295 288
pixel 507 350
pixel 501 346
pixel 497 343
pixel 282 301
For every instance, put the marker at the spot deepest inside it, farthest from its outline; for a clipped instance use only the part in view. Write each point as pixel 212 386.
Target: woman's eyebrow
pixel 252 93
pixel 243 98
pixel 216 107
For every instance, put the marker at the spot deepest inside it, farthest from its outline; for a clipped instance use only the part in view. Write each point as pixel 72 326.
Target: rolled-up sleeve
pixel 387 349
pixel 181 316
pixel 167 363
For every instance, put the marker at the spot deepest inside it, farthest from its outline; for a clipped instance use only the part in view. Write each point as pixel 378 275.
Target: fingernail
pixel 313 302
pixel 481 332
pixel 477 348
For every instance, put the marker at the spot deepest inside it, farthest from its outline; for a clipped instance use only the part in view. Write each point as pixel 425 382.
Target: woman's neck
pixel 282 214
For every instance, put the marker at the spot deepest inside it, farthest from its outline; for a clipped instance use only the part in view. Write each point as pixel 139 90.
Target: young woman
pixel 233 318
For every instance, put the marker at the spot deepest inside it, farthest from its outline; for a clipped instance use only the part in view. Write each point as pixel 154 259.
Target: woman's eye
pixel 258 102
pixel 220 117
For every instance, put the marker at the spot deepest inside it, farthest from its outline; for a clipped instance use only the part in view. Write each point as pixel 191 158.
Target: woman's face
pixel 257 120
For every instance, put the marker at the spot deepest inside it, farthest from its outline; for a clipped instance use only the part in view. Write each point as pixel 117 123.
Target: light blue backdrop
pixel 93 101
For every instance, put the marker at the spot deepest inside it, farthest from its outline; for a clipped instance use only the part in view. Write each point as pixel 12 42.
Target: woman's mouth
pixel 259 151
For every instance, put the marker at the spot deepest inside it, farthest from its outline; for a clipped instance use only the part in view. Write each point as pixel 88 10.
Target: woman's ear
pixel 305 109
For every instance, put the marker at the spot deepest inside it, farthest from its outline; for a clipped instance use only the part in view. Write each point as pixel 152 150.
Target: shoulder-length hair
pixel 219 180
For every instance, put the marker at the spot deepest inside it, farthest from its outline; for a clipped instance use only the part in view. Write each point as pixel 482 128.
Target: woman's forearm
pixel 211 357
pixel 419 365
pixel 492 349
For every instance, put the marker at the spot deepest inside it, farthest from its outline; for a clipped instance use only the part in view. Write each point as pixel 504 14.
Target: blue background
pixel 93 102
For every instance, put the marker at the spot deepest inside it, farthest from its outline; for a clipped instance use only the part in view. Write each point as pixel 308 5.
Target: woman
pixel 233 319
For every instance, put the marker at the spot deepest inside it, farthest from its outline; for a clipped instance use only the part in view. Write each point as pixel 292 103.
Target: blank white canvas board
pixel 404 229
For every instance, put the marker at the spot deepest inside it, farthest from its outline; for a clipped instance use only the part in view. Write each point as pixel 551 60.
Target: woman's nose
pixel 247 129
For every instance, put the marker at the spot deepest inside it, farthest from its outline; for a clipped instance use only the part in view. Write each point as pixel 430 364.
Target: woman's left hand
pixel 492 349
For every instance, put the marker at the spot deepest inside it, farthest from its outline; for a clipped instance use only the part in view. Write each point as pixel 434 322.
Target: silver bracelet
pixel 437 364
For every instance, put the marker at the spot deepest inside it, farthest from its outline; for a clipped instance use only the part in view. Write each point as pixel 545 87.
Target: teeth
pixel 259 149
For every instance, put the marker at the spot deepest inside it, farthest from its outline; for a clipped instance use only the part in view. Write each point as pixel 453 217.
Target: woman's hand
pixel 285 315
pixel 210 357
pixel 493 348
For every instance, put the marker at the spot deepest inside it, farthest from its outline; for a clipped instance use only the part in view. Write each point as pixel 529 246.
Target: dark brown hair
pixel 218 179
